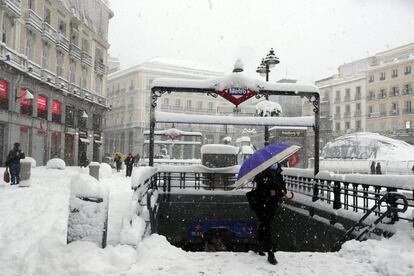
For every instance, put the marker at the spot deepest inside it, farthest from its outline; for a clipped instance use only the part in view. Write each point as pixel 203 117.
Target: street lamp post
pixel 264 69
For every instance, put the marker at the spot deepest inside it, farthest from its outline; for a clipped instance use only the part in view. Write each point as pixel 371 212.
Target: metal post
pixel 316 129
pixel 152 128
pixel 266 130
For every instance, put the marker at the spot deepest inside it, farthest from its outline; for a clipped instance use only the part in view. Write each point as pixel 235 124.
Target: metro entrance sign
pixel 236 95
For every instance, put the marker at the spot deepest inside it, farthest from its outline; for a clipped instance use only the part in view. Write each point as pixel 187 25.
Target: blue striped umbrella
pixel 262 159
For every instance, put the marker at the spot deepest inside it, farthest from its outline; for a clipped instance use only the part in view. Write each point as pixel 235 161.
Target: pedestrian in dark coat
pixel 83 160
pixel 272 186
pixel 118 162
pixel 129 162
pixel 137 157
pixel 412 169
pixel 373 167
pixel 13 163
pixel 378 168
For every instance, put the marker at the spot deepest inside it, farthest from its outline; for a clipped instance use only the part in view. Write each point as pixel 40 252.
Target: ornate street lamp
pixel 264 69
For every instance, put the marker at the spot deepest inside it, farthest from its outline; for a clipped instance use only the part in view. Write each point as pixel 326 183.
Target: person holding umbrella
pixel 265 170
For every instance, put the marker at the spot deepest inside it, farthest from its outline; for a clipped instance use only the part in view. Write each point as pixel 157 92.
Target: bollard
pixel 25 170
pixel 94 170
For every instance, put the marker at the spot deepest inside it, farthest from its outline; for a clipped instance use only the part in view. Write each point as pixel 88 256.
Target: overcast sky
pixel 311 38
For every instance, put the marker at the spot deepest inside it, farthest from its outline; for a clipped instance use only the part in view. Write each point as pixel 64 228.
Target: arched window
pixel 42 107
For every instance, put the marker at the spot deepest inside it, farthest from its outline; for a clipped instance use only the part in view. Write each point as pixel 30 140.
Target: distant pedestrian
pixel 412 169
pixel 136 160
pixel 378 168
pixel 129 162
pixel 83 160
pixel 118 162
pixel 13 163
pixel 373 167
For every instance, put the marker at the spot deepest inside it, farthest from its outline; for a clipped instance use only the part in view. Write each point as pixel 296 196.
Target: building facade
pixel 129 95
pixel 390 93
pixel 56 51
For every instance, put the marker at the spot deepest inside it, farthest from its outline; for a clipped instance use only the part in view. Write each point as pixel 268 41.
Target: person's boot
pixel 271 258
pixel 261 253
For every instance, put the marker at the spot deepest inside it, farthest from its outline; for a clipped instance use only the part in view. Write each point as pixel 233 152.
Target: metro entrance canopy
pixel 236 88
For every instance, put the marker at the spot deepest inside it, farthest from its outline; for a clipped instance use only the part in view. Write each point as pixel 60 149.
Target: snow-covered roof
pixel 174 131
pixel 267 108
pixel 246 149
pixel 243 139
pixel 367 145
pixel 167 117
pixel 238 80
pixel 218 149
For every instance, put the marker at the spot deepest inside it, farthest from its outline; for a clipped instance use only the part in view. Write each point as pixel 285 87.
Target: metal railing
pixel 49 33
pixel 12 7
pixel 33 20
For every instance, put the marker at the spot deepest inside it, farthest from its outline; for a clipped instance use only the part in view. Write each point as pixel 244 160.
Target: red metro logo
pixel 236 95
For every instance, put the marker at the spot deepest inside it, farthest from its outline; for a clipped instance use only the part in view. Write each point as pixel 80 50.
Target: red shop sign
pixel 41 103
pixel 236 95
pixel 56 107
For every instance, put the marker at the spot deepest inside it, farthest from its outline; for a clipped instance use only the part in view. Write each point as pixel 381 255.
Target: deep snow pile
pixel 56 163
pixel 33 242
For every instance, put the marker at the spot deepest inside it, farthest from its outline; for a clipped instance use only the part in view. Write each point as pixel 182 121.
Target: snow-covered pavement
pixel 33 242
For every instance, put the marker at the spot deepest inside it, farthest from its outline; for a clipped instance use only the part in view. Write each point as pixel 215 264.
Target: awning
pixel 97 141
pixel 84 140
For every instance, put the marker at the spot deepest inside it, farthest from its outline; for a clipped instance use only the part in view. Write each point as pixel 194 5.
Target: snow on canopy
pixel 168 117
pixel 366 145
pixel 218 149
pixel 243 139
pixel 238 80
pixel 173 130
pixel 268 109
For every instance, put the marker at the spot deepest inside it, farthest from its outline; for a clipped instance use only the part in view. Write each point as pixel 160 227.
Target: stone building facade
pixel 56 51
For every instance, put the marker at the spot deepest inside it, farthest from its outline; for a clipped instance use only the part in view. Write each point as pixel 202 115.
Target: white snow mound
pixel 105 170
pixel 83 185
pixel 56 163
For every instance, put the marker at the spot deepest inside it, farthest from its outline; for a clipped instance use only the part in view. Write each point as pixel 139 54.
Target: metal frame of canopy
pixel 158 90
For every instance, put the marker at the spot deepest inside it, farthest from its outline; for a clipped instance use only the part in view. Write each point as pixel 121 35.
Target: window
pixel 371 95
pixel 394 108
pixel 394 91
pixel 82 119
pixel 338 126
pixel 358 106
pixel 347 108
pixel 383 110
pixel 189 104
pixel 47 15
pixel 85 45
pixel 407 70
pixel 30 44
pixel 407 89
pixel 166 101
pixel 70 116
pixel 42 107
pixel 96 122
pixel 382 94
pixel 347 125
pixel 62 27
pixel 337 96
pixel 85 78
pixel 199 105
pixel 347 94
pixel 31 4
pixel 407 107
pixel 56 112
pixel 210 106
pixel 358 93
pixel 46 55
pixel 25 105
pixel 72 72
pixel 371 78
pixel 132 85
pixel 382 76
pixel 394 73
pixel 98 86
pixel 4 95
pixel 358 125
pixel 177 102
pixel 338 110
pixel 59 63
pixel 370 109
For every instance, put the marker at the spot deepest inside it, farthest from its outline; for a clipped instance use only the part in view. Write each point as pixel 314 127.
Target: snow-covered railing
pixel 355 192
pixel 144 184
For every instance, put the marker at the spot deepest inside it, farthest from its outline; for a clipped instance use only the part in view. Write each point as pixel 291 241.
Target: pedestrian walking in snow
pixel 83 160
pixel 136 160
pixel 412 169
pixel 272 187
pixel 13 163
pixel 118 162
pixel 378 168
pixel 373 167
pixel 129 162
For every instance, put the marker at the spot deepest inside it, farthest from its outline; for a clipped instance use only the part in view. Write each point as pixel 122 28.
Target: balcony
pixel 12 57
pixel 74 89
pixel 62 42
pixel 374 115
pixel 383 113
pixel 48 76
pixel 75 51
pixel 33 21
pixel 407 91
pixel 407 111
pixel 347 114
pixel 337 100
pixel 34 69
pixel 394 93
pixel 381 95
pixel 61 83
pixel 12 7
pixel 49 33
pixel 394 112
pixel 357 113
pixel 100 68
pixel 86 58
pixel 357 97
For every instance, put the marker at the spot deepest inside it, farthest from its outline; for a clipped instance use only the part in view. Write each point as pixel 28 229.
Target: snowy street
pixel 33 242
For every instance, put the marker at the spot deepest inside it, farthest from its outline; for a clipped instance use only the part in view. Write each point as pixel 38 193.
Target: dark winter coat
pixel 378 169
pixel 373 168
pixel 14 156
pixel 129 161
